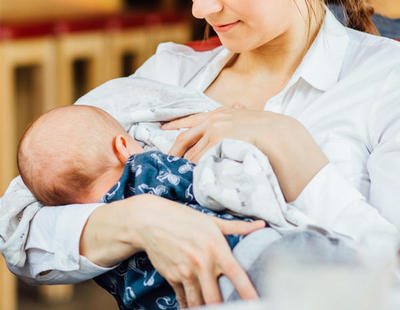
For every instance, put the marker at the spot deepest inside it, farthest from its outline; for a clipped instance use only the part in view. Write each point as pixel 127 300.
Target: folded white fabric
pixel 17 208
pixel 237 176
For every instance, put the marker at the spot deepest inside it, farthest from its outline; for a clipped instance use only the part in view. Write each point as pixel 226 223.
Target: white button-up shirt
pixel 346 92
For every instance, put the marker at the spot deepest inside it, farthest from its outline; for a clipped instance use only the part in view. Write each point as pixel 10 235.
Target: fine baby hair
pixel 63 153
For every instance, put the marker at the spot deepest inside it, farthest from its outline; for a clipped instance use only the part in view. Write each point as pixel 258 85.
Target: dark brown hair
pixel 357 14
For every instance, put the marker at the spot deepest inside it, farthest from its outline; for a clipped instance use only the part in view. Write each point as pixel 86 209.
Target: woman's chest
pixel 230 89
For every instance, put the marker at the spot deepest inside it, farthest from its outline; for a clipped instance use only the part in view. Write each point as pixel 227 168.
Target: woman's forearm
pixel 186 246
pixel 294 156
pixel 108 237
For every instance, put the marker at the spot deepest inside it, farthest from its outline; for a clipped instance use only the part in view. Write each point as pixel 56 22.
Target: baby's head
pixel 73 154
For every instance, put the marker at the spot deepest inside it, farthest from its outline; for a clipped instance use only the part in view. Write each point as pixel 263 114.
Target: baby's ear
pixel 121 148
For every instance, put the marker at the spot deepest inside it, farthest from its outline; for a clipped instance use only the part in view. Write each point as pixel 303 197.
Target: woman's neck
pixel 281 56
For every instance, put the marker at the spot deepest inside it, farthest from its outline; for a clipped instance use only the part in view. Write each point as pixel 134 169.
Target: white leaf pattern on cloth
pixel 112 194
pixel 167 303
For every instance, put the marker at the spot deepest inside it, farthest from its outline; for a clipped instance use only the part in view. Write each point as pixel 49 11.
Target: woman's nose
pixel 204 8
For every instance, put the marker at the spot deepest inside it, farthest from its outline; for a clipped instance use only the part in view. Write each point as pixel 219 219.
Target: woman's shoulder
pixel 372 46
pixel 176 64
pixel 372 55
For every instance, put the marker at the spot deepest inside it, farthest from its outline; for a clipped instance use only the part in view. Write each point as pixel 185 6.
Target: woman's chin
pixel 235 45
pixel 238 45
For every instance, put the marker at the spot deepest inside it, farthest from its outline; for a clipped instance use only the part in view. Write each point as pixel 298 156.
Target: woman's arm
pixel 306 179
pixel 186 247
pixel 293 154
pixel 68 244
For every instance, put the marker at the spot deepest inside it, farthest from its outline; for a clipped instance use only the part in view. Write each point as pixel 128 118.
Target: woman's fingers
pixel 238 227
pixel 239 279
pixel 193 293
pixel 197 150
pixel 185 122
pixel 190 121
pixel 180 295
pixel 186 140
pixel 210 288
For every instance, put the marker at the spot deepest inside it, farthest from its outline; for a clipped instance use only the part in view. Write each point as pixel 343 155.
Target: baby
pixel 81 154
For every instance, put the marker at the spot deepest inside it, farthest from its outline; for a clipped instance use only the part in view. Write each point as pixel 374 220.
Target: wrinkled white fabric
pixel 237 176
pixel 17 208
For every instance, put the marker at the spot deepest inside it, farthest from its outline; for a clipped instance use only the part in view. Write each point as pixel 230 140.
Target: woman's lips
pixel 224 28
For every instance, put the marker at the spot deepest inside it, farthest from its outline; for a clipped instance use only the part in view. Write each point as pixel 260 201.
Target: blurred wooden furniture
pixel 15 41
pixel 168 4
pixel 56 293
pixel 48 52
pixel 79 40
pixel 127 44
pixel 138 34
pixel 8 293
pixel 20 10
pixel 168 26
pixel 22 46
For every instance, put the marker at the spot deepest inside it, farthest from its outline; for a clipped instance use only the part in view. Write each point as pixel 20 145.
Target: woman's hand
pixel 207 129
pixel 292 152
pixel 187 247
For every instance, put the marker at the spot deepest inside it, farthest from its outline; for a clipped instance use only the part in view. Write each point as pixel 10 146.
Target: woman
pixel 320 100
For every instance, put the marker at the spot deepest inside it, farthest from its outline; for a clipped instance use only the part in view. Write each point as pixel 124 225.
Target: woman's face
pixel 244 25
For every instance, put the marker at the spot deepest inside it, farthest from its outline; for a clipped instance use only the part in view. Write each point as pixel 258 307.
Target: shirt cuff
pixel 326 196
pixel 54 239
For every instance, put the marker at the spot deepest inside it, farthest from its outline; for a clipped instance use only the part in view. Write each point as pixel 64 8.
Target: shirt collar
pixel 322 64
pixel 320 67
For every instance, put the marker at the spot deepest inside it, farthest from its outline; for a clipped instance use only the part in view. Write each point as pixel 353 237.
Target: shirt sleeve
pixel 333 202
pixel 52 243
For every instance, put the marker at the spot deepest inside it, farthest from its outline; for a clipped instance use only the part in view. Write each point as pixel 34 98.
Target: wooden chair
pixel 167 26
pixel 127 44
pixel 80 41
pixel 32 47
pixel 137 34
pixel 8 292
pixel 19 106
pixel 15 41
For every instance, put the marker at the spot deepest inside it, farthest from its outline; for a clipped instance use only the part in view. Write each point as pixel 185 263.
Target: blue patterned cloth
pixel 135 283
